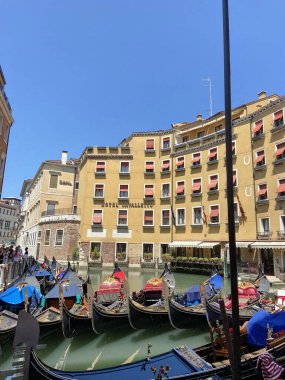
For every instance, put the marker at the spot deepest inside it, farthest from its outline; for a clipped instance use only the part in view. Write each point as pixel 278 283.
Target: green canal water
pixel 90 351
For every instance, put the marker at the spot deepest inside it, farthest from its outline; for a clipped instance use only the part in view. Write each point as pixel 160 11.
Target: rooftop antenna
pixel 209 84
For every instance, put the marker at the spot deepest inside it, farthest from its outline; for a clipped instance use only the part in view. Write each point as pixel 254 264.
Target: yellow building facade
pixel 166 190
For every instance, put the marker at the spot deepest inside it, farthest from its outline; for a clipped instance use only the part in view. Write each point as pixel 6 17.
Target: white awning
pixel 241 244
pixel 268 244
pixel 186 244
pixel 208 244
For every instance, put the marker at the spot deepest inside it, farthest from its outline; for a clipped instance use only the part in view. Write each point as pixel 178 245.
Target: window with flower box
pixel 95 250
pixel 148 251
pixel 121 251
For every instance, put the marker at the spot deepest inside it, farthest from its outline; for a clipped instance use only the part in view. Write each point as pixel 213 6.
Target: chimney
pixel 262 95
pixel 199 117
pixel 64 157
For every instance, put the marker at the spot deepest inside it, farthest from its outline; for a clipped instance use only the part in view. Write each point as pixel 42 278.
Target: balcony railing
pixel 265 235
pixel 277 127
pixel 281 234
pixel 61 211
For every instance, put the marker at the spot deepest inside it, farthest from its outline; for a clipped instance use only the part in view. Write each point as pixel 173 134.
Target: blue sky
pixel 86 73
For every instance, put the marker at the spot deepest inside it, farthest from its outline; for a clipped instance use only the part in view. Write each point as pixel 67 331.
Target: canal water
pixel 118 346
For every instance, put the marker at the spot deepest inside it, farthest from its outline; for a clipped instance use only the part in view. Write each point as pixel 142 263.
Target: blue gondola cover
pixel 16 296
pixel 257 327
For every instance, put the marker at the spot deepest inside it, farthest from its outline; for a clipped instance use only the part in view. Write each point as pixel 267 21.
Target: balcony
pixel 278 161
pixel 257 136
pixel 260 201
pixel 277 128
pixel 59 215
pixel 281 234
pixel 265 235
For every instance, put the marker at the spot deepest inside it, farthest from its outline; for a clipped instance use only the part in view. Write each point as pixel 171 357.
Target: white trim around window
pixel 148 211
pixel 102 188
pixel 217 206
pixel 48 244
pixel 129 167
pixel 169 189
pixel 193 216
pixel 177 219
pixel 126 185
pixel 121 215
pixel 169 217
pixel 99 211
pixel 100 163
pixel 116 249
pixel 217 179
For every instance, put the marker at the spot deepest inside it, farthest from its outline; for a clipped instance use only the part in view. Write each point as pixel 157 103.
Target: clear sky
pixel 90 72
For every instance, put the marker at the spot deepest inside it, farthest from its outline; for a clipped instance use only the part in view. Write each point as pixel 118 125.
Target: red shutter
pixel 280 151
pixel 149 166
pixel 262 191
pixel 258 126
pixel 212 154
pixel 259 158
pixel 278 115
pixel 281 188
pixel 148 191
pixel 97 218
pixel 213 184
pixel 99 187
pixel 195 159
pixel 149 144
pixel 123 215
pixel 180 189
pixel 165 165
pixel 180 162
pixel 148 217
pixel 100 165
pixel 214 212
pixel 196 186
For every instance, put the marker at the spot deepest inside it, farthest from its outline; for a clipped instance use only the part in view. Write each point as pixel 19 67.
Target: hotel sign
pixel 126 205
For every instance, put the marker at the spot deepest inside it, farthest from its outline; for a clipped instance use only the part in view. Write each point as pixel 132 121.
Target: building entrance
pixel 267 261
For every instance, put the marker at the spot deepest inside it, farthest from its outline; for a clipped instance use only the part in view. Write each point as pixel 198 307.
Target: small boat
pixel 110 304
pixel 75 307
pixel 186 310
pixel 23 295
pixel 250 301
pixel 48 313
pixel 150 305
pixel 210 361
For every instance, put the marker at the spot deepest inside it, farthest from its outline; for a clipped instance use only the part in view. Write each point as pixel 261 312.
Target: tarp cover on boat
pixel 193 294
pixel 69 290
pixel 257 327
pixel 43 273
pixel 16 296
pixel 216 281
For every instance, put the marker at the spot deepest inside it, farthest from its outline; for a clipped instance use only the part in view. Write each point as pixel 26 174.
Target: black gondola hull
pixel 73 325
pixel 182 317
pixel 103 320
pixel 141 317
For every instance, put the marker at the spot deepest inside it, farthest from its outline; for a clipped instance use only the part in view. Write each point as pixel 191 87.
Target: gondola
pixel 110 304
pixel 75 307
pixel 208 361
pixel 24 294
pixel 250 301
pixel 186 310
pixel 48 313
pixel 149 306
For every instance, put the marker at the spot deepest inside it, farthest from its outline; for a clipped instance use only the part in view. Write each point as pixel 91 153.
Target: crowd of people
pixel 12 254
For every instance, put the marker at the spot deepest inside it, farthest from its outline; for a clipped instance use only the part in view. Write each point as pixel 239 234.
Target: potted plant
pixel 166 257
pixel 95 254
pixel 147 256
pixel 121 256
pixel 75 254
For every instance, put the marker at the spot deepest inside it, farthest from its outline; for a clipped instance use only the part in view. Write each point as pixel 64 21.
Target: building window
pixel 50 208
pixel 165 217
pixel 213 155
pixel 164 249
pixel 97 217
pixel 149 145
pixel 218 128
pixel 278 119
pixel 74 210
pixel 265 226
pixel 47 237
pixel 260 158
pixel 148 218
pixel 124 191
pixel 185 138
pixel 149 167
pixel 148 191
pixel 258 128
pixel 165 166
pixel 262 193
pixel 197 216
pixel 165 190
pixel 166 143
pixel 95 250
pixel 214 214
pixel 76 185
pixel 7 225
pixel 280 151
pixel 180 217
pixel 200 134
pixel 124 167
pixel 99 190
pixel 59 237
pixel 100 167
pixel 196 185
pixel 121 251
pixel 281 188
pixel 148 251
pixel 180 189
pixel 235 178
pixel 1 224
pixel 213 183
pixel 1 123
pixel 196 159
pixel 39 234
pixel 282 225
pixel 53 181
pixel 180 163
pixel 122 217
